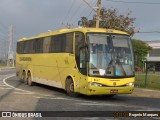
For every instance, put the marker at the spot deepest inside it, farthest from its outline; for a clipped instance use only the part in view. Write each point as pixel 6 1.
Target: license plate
pixel 114 91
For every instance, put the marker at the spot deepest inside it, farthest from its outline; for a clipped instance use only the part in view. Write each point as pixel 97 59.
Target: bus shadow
pixel 50 88
pixel 57 91
pixel 62 93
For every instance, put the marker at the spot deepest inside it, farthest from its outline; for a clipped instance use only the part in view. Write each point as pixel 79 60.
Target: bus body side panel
pixel 46 70
pixel 68 68
pixel 23 64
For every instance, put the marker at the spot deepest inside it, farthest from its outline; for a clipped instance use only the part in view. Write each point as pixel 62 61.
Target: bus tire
pixel 24 79
pixel 29 79
pixel 70 88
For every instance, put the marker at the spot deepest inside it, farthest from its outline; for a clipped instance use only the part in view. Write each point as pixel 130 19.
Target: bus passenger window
pixel 46 44
pixel 39 44
pixel 79 42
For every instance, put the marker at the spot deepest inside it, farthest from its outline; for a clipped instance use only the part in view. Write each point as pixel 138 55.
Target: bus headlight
pixel 130 84
pixel 95 84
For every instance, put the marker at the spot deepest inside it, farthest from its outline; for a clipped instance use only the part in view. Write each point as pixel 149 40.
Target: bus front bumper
pixel 94 90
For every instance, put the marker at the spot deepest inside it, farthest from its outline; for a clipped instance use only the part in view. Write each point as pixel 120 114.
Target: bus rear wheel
pixel 24 79
pixel 29 79
pixel 70 87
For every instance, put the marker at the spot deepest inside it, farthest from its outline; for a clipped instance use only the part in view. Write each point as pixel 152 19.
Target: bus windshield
pixel 110 55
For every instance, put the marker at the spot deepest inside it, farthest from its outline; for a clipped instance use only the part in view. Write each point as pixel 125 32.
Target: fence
pixel 148 80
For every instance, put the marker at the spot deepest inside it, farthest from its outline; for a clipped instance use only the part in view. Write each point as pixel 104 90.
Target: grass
pixel 2 65
pixel 152 80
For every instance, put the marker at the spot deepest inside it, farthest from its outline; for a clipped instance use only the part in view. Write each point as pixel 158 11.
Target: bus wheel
pixel 24 77
pixel 29 79
pixel 70 87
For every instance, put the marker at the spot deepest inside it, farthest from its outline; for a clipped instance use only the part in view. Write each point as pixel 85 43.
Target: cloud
pixel 31 17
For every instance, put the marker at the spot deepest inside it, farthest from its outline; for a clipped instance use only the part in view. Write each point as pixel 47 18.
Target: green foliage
pixel 152 80
pixel 111 19
pixel 141 50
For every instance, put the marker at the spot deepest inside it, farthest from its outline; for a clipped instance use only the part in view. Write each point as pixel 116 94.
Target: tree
pixel 111 19
pixel 141 50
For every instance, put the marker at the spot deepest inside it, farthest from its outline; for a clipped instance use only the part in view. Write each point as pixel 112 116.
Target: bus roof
pixel 84 30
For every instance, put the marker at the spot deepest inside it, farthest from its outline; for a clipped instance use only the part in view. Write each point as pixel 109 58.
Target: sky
pixel 31 17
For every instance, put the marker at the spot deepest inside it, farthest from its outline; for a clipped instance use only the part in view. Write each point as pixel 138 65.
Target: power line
pixel 90 14
pixel 120 1
pixel 89 5
pixel 75 12
pixel 92 9
pixel 84 10
pixel 68 13
pixel 148 32
pixel 97 11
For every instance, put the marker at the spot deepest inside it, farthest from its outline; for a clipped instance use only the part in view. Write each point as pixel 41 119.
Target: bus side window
pixel 79 43
pixel 26 47
pixel 62 43
pixel 22 46
pixel 69 43
pixel 56 44
pixel 53 45
pixel 18 47
pixel 32 47
pixel 39 44
pixel 46 44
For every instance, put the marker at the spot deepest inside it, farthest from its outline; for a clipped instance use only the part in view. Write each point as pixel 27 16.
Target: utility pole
pixel 10 60
pixel 98 13
pixel 4 46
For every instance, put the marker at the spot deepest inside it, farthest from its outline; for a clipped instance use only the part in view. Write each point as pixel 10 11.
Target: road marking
pixel 77 101
pixel 92 118
pixel 58 98
pixel 2 85
pixel 99 104
pixel 149 109
pixel 115 105
pixel 4 81
pixel 147 90
pixel 24 93
pixel 90 103
pixel 63 98
pixel 5 88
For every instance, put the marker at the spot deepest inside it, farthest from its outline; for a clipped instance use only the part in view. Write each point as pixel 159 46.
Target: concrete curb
pixel 146 93
pixel 6 68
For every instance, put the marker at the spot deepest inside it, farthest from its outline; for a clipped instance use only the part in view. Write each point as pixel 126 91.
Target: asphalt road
pixel 16 96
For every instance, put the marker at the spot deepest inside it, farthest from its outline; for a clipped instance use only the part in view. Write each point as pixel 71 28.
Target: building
pixel 153 57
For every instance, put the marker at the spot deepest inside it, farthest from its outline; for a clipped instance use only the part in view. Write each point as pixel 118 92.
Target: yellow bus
pixel 89 61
